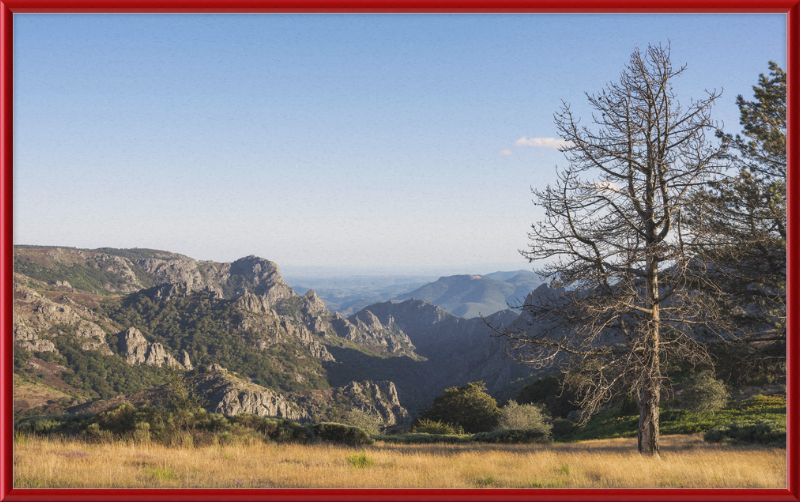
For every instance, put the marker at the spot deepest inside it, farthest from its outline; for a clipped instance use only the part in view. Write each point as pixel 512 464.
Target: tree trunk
pixel 648 420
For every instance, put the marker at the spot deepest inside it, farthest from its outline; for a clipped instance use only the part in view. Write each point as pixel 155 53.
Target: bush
pixel 360 460
pixel 276 429
pixel 533 417
pixel 511 436
pixel 765 432
pixel 422 438
pixel 426 426
pixel 704 393
pixel 468 406
pixel 340 433
pixel 368 422
pixel 48 424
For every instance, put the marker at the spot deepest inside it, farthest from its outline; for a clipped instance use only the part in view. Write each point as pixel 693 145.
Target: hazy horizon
pixel 370 144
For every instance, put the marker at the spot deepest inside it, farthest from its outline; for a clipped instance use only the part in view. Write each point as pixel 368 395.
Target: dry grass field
pixel 686 462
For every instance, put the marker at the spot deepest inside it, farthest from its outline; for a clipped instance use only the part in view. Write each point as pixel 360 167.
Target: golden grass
pixel 686 462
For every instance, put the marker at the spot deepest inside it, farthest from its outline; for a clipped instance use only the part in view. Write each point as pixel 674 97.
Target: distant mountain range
pixel 470 296
pixel 349 294
pixel 94 327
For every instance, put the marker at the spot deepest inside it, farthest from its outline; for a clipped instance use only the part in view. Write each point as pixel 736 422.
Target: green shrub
pixel 533 417
pixel 120 419
pixel 514 436
pixel 368 422
pixel 63 424
pixel 765 432
pixel 422 438
pixel 704 393
pixel 276 429
pixel 360 460
pixel 426 426
pixel 340 433
pixel 468 406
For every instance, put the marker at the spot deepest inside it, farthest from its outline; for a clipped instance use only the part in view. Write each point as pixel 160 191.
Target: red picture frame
pixel 8 7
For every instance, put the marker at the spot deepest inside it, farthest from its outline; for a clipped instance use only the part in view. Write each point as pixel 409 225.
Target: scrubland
pixel 686 462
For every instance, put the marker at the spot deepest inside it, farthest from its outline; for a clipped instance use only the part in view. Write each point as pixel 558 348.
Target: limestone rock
pixel 230 395
pixel 378 398
pixel 259 276
pixel 254 303
pixel 136 350
pixel 37 345
pixel 185 361
pixel 36 316
pixel 313 304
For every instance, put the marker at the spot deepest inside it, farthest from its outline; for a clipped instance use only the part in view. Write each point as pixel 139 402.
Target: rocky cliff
pixel 135 349
pixel 230 394
pixel 38 319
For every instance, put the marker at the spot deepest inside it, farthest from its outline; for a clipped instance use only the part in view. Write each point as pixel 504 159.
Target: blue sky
pixel 330 143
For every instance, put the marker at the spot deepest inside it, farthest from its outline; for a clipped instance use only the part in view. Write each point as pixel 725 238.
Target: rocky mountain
pixel 456 350
pixel 116 320
pixel 470 296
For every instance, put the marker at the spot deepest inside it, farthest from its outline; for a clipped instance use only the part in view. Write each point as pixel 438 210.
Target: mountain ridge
pixel 200 313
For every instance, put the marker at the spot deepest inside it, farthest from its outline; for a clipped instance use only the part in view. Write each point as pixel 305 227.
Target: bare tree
pixel 614 239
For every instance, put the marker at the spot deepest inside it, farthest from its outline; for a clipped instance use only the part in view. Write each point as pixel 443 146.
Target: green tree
pixel 746 213
pixel 181 391
pixel 468 406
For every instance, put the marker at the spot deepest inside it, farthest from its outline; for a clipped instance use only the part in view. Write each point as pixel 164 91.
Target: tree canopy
pixel 468 406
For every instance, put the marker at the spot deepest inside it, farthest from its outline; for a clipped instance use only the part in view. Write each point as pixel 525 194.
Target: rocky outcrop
pixel 37 318
pixel 136 350
pixel 127 280
pixel 184 360
pixel 231 395
pixel 378 398
pixel 259 276
pixel 274 328
pixel 256 304
pixel 375 332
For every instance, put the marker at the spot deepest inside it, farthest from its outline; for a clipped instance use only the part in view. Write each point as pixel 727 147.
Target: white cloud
pixel 505 151
pixel 552 143
pixel 607 186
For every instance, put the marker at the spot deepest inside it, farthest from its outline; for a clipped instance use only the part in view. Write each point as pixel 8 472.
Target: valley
pixel 93 328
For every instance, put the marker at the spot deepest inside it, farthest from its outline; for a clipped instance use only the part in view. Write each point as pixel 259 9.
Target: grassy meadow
pixel 686 462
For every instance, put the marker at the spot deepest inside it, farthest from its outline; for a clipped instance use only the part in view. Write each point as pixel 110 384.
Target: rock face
pixel 37 318
pixel 274 328
pixel 136 350
pixel 458 350
pixel 259 276
pixel 378 398
pixel 374 332
pixel 231 395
